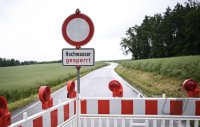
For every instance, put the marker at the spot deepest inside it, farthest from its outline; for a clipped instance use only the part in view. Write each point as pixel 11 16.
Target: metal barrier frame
pixel 92 118
pixel 155 120
pixel 27 120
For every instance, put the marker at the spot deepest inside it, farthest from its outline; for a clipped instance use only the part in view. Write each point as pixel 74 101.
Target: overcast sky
pixel 31 29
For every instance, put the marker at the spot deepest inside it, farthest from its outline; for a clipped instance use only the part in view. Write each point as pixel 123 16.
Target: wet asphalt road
pixel 94 84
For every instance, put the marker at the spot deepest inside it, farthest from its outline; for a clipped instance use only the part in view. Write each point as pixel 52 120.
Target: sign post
pixel 78 30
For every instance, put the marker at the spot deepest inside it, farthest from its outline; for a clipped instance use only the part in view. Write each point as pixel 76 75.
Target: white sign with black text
pixel 74 57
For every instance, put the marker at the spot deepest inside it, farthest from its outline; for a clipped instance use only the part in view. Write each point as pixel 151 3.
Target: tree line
pixel 176 32
pixel 12 62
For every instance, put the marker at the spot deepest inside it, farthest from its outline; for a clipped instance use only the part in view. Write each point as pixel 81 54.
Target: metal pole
pixel 78 94
pixel 78 79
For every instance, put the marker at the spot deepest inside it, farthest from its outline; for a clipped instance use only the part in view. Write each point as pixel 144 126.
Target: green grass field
pixel 178 67
pixel 157 76
pixel 20 82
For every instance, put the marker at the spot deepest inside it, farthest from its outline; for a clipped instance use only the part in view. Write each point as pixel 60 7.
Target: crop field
pixel 178 67
pixel 20 82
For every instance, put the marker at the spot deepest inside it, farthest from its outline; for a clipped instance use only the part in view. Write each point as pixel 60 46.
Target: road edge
pixel 141 94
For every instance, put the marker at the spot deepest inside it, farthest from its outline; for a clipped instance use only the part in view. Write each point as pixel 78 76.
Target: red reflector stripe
pixel 103 107
pixel 127 106
pixel 151 107
pixel 74 107
pixel 83 107
pixel 176 107
pixel 197 111
pixel 66 112
pixel 38 122
pixel 54 118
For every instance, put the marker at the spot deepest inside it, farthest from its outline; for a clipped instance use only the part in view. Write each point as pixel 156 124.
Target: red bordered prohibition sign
pixel 66 23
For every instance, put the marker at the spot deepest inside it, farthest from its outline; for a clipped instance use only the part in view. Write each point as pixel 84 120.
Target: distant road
pixel 94 84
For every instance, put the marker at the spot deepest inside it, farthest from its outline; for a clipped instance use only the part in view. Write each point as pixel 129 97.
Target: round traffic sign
pixel 78 29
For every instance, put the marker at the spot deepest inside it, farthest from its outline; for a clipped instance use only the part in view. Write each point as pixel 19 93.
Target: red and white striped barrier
pixel 141 106
pixel 62 114
pixel 51 117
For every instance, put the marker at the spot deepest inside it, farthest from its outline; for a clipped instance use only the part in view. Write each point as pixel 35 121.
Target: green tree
pixel 1 62
pixel 192 29
pixel 175 33
pixel 154 30
pixel 12 62
pixel 129 43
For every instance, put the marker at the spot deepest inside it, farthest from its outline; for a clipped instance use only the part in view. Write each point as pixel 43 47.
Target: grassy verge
pixel 152 84
pixel 55 85
pixel 176 67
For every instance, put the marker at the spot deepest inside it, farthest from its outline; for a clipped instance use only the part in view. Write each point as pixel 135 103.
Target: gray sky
pixel 31 29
